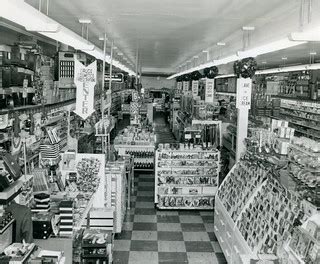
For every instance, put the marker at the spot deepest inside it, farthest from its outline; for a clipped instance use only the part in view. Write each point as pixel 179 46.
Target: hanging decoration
pixel 210 72
pixel 196 75
pixel 186 77
pixel 245 68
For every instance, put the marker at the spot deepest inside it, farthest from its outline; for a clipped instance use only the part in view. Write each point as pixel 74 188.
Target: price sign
pixel 244 87
pixel 187 136
pixel 195 88
pixel 185 87
pixel 209 91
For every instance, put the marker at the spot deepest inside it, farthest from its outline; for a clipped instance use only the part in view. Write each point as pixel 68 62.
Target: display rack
pixel 253 213
pixel 186 178
pixel 116 191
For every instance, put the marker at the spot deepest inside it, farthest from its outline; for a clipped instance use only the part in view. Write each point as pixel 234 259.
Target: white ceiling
pixel 167 33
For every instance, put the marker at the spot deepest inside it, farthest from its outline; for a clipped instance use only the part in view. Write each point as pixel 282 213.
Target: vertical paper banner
pixel 179 88
pixel 195 88
pixel 244 87
pixel 85 79
pixel 185 87
pixel 209 90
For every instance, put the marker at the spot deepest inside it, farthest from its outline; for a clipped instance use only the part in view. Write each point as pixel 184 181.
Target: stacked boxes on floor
pixel 42 203
pixel 66 218
pixel 42 227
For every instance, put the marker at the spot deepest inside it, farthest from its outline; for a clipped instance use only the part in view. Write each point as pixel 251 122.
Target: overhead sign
pixel 209 90
pixel 244 87
pixel 85 79
pixel 179 88
pixel 195 88
pixel 115 77
pixel 185 87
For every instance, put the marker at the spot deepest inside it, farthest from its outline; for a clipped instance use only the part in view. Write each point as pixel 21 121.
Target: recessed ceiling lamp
pixel 313 53
pixel 263 62
pixel 284 58
pixel 221 43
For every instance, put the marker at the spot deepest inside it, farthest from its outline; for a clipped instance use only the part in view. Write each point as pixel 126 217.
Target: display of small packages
pixel 94 244
pixel 236 190
pixel 41 203
pixel 186 178
pixel 5 218
pixel 66 218
pixel 281 129
pixel 305 241
pixel 267 221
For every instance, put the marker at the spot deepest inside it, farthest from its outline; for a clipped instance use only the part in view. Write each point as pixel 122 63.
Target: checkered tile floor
pixel 154 236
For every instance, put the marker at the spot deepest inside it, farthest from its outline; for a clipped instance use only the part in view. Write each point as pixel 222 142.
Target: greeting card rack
pixel 186 178
pixel 254 213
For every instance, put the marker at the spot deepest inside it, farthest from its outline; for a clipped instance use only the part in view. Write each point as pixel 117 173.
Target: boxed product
pixel 281 145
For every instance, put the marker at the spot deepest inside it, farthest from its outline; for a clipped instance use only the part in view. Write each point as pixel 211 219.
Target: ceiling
pixel 167 33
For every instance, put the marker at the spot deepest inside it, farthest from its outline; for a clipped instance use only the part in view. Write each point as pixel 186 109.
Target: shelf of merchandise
pixel 202 191
pixel 6 226
pixel 116 192
pixel 11 192
pixel 243 232
pixel 129 149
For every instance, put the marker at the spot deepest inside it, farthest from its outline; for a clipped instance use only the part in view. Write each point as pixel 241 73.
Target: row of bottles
pixel 140 153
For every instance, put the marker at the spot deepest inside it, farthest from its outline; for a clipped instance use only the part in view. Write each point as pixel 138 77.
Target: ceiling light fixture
pixel 270 47
pixel 225 76
pixel 304 67
pixel 221 43
pixel 33 20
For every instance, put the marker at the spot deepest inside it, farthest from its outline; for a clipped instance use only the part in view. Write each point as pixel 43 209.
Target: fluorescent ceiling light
pixel 225 76
pixel 221 43
pixel 248 28
pixel 304 67
pixel 270 47
pixel 312 34
pixel 25 15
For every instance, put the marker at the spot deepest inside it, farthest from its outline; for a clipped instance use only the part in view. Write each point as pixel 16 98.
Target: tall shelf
pixel 186 178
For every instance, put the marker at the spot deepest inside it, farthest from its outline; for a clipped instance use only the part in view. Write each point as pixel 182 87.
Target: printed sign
pixel 179 88
pixel 209 91
pixel 244 87
pixel 85 79
pixel 185 87
pixel 195 88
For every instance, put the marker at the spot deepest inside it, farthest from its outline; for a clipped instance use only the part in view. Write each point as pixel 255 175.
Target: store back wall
pixel 157 82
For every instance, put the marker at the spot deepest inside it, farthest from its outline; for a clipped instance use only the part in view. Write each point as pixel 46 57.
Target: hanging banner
pixel 185 87
pixel 244 87
pixel 85 79
pixel 179 88
pixel 209 91
pixel 195 88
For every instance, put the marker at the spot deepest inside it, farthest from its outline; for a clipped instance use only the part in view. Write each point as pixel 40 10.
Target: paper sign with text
pixel 209 90
pixel 195 88
pixel 185 87
pixel 85 79
pixel 244 87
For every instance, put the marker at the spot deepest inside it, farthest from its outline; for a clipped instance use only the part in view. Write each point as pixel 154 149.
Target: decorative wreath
pixel 186 78
pixel 196 75
pixel 211 72
pixel 245 68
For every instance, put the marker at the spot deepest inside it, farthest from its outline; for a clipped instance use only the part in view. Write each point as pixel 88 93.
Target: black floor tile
pixel 124 235
pixel 187 212
pixel 173 257
pixel 212 236
pixel 193 227
pixel 198 246
pixel 145 188
pixel 207 219
pixel 168 219
pixel 170 236
pixel 145 211
pixel 145 199
pixel 221 258
pixel 120 257
pixel 144 245
pixel 144 227
pixel 129 217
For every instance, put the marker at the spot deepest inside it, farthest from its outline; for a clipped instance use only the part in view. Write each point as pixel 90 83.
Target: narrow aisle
pixel 162 130
pixel 152 236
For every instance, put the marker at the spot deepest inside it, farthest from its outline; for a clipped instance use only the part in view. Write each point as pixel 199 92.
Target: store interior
pixel 148 132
